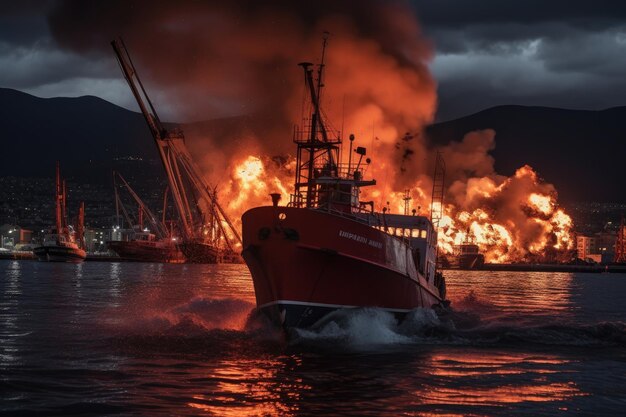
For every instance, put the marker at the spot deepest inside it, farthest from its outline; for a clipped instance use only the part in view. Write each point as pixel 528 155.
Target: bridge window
pixel 423 233
pixel 415 233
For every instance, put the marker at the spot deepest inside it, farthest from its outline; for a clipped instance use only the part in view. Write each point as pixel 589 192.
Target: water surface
pixel 155 339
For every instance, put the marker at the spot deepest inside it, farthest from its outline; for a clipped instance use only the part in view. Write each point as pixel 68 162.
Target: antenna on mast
pixel 320 68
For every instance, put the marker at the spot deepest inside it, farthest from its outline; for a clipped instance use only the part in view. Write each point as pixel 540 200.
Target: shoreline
pixel 29 256
pixel 546 268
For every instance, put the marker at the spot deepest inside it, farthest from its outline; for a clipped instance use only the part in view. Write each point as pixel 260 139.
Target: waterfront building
pixel 12 235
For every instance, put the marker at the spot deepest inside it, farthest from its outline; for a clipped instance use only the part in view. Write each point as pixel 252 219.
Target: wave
pixel 192 317
pixel 200 325
pixel 472 322
pixel 371 328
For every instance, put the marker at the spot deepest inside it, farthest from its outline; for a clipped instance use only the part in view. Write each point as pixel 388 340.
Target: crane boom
pixel 186 184
pixel 136 86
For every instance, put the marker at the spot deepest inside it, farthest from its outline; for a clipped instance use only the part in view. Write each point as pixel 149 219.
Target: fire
pixel 251 181
pixel 249 171
pixel 541 203
pixel 510 219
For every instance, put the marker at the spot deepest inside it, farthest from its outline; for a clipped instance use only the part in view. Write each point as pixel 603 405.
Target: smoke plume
pixel 214 60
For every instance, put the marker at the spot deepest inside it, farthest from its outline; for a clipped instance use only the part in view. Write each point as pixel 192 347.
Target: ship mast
pixel 58 202
pixel 80 226
pixel 159 229
pixel 318 152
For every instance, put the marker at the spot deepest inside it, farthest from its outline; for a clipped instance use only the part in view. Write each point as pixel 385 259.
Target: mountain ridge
pixel 580 151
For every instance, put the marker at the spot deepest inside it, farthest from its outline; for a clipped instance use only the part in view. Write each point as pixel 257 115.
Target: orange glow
pixel 468 364
pixel 252 179
pixel 541 203
pixel 514 220
pixel 248 171
pixel 241 397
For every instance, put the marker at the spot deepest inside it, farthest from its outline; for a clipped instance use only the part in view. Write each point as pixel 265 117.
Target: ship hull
pixel 310 263
pixel 200 252
pixel 147 251
pixel 59 254
pixel 474 261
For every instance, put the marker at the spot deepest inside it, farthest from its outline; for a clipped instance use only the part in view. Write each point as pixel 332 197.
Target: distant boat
pixel 143 245
pixel 467 255
pixel 146 247
pixel 59 245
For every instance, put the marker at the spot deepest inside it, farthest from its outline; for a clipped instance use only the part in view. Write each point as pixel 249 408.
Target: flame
pixel 541 203
pixel 248 171
pixel 251 181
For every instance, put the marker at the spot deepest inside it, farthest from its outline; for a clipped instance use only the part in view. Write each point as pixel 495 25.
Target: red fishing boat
pixel 327 249
pixel 62 243
pixel 142 245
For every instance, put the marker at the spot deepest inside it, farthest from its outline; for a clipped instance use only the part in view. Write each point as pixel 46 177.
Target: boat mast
pixel 80 226
pixel 317 153
pixel 58 201
pixel 436 204
pixel 159 229
pixel 64 211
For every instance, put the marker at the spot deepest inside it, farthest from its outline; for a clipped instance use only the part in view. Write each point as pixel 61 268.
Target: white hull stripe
pixel 304 303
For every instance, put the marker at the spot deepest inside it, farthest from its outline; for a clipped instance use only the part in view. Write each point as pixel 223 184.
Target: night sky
pixel 569 54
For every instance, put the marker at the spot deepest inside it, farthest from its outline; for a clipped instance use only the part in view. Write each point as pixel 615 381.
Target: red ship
pixel 63 243
pixel 141 244
pixel 327 250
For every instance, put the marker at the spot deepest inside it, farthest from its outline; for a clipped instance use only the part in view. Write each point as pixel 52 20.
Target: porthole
pixel 282 216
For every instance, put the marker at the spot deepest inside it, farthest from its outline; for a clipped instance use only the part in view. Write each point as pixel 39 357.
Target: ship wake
pixel 200 325
pixel 371 329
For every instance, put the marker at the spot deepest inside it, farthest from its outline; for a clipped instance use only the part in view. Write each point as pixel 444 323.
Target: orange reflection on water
pixel 520 292
pixel 455 365
pixel 505 394
pixel 458 387
pixel 250 388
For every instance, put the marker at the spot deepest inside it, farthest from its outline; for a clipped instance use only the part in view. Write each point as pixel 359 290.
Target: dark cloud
pixel 43 63
pixel 23 22
pixel 559 53
pixel 489 52
pixel 227 58
pixel 462 13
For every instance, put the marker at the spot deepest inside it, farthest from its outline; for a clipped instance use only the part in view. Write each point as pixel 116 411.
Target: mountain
pixel 581 152
pixel 84 133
